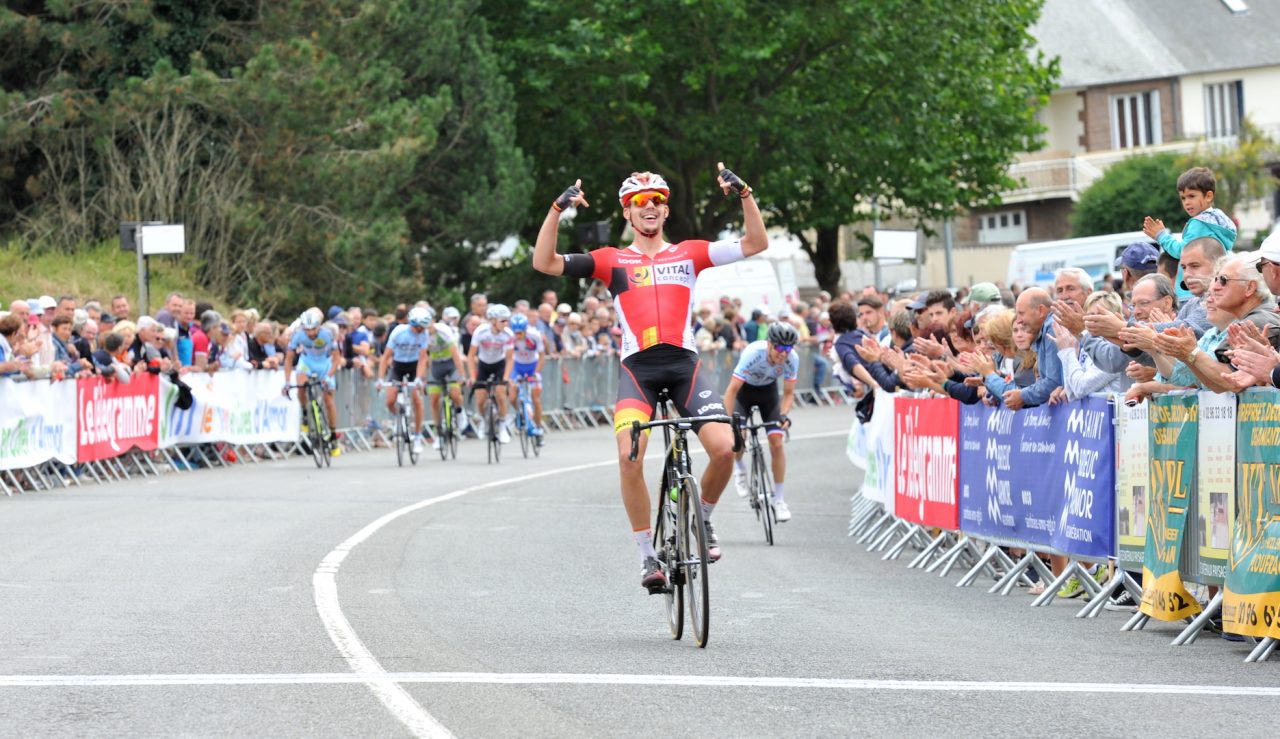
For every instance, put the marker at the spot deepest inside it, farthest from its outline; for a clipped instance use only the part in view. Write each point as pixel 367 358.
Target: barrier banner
pixel 1038 453
pixel 113 418
pixel 855 446
pixel 989 437
pixel 236 407
pixel 1215 496
pixel 1083 471
pixel 1251 598
pixel 877 482
pixel 37 423
pixel 1174 425
pixel 1133 472
pixel 926 461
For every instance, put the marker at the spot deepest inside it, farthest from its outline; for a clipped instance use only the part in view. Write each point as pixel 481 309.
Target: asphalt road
pixel 278 600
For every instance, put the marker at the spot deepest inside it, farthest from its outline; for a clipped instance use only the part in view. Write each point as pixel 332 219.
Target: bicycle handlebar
pixel 685 424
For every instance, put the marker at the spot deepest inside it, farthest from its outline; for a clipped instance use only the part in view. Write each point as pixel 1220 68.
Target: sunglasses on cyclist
pixel 642 199
pixel 784 348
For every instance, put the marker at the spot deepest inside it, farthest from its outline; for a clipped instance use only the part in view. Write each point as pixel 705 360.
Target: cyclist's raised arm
pixel 545 259
pixel 755 239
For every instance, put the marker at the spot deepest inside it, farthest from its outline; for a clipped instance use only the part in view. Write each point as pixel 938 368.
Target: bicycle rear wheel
pixel 760 490
pixel 522 428
pixel 695 561
pixel 410 438
pixel 665 537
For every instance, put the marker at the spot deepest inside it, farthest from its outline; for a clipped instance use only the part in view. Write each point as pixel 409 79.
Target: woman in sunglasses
pixel 652 283
pixel 755 383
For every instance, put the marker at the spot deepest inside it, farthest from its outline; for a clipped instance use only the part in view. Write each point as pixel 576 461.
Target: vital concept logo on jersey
pixel 674 273
pixel 639 277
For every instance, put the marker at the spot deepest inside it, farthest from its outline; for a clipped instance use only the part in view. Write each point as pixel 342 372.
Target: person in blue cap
pixel 1138 260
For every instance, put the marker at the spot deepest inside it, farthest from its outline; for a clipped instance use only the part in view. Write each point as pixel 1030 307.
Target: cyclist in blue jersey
pixel 755 382
pixel 406 354
pixel 318 354
pixel 527 354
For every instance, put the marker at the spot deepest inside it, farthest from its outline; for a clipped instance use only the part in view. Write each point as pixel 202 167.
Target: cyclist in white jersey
pixel 527 355
pixel 319 355
pixel 406 354
pixel 755 382
pixel 491 355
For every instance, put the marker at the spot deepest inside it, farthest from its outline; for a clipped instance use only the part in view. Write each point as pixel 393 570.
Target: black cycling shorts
pixel 485 370
pixel 643 374
pixel 764 397
pixel 406 371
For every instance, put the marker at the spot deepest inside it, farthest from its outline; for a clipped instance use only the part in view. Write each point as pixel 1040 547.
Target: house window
pixel 1223 104
pixel 1135 119
pixel 1006 227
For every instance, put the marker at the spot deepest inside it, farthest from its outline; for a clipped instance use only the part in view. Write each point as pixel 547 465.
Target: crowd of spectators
pixel 63 338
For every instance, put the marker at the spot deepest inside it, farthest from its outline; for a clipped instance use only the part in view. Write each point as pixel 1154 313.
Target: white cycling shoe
pixel 781 511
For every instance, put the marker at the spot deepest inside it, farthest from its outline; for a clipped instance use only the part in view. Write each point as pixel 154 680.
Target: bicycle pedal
pixel 658 590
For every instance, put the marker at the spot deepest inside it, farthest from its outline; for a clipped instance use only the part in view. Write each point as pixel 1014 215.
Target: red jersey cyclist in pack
pixel 652 284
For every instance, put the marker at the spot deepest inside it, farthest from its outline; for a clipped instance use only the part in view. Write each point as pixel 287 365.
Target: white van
pixel 753 280
pixel 1034 264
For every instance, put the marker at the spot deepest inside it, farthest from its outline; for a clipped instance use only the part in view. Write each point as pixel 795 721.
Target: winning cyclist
pixel 321 355
pixel 527 354
pixel 652 283
pixel 447 367
pixel 406 353
pixel 491 356
pixel 755 382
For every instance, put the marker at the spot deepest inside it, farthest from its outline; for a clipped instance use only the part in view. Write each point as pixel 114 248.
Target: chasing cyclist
pixel 447 368
pixel 755 382
pixel 319 355
pixel 652 283
pixel 406 353
pixel 529 349
pixel 491 356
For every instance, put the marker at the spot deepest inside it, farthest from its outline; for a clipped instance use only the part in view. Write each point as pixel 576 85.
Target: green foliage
pixel 917 104
pixel 1128 191
pixel 317 151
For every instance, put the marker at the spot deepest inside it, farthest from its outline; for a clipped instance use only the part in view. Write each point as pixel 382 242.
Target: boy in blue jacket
pixel 1195 189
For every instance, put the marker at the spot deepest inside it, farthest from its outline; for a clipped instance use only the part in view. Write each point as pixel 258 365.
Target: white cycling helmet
pixel 310 318
pixel 498 311
pixel 419 317
pixel 451 314
pixel 642 182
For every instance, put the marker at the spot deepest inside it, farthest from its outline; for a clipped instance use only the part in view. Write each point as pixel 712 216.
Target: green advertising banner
pixel 1174 422
pixel 1251 600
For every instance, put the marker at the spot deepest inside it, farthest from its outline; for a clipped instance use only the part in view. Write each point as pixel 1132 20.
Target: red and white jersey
pixel 653 295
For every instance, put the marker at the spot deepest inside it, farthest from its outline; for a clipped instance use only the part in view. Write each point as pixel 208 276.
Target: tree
pixel 1128 191
pixel 918 105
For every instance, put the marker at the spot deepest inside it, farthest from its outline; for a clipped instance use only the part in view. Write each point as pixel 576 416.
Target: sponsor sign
pixel 1215 496
pixel 1133 489
pixel 1083 473
pixel 989 507
pixel 878 478
pixel 926 461
pixel 113 418
pixel 1174 423
pixel 236 407
pixel 1251 598
pixel 37 423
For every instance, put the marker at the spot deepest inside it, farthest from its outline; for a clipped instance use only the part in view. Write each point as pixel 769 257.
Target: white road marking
pixel 366 667
pixel 701 681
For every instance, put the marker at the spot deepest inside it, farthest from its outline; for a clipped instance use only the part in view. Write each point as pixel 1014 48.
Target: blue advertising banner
pixel 988 507
pixel 1041 476
pixel 1084 472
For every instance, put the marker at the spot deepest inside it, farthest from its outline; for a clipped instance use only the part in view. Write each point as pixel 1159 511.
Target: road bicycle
pixel 319 437
pixel 679 534
pixel 404 432
pixel 491 417
pixel 760 479
pixel 447 425
pixel 525 426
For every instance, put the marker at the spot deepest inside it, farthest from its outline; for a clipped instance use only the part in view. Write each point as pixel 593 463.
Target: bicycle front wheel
pixel 319 450
pixel 402 432
pixel 760 490
pixel 665 542
pixel 444 429
pixel 522 428
pixel 696 561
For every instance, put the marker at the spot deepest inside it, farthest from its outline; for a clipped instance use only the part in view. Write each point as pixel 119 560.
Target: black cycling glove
pixel 566 197
pixel 735 183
